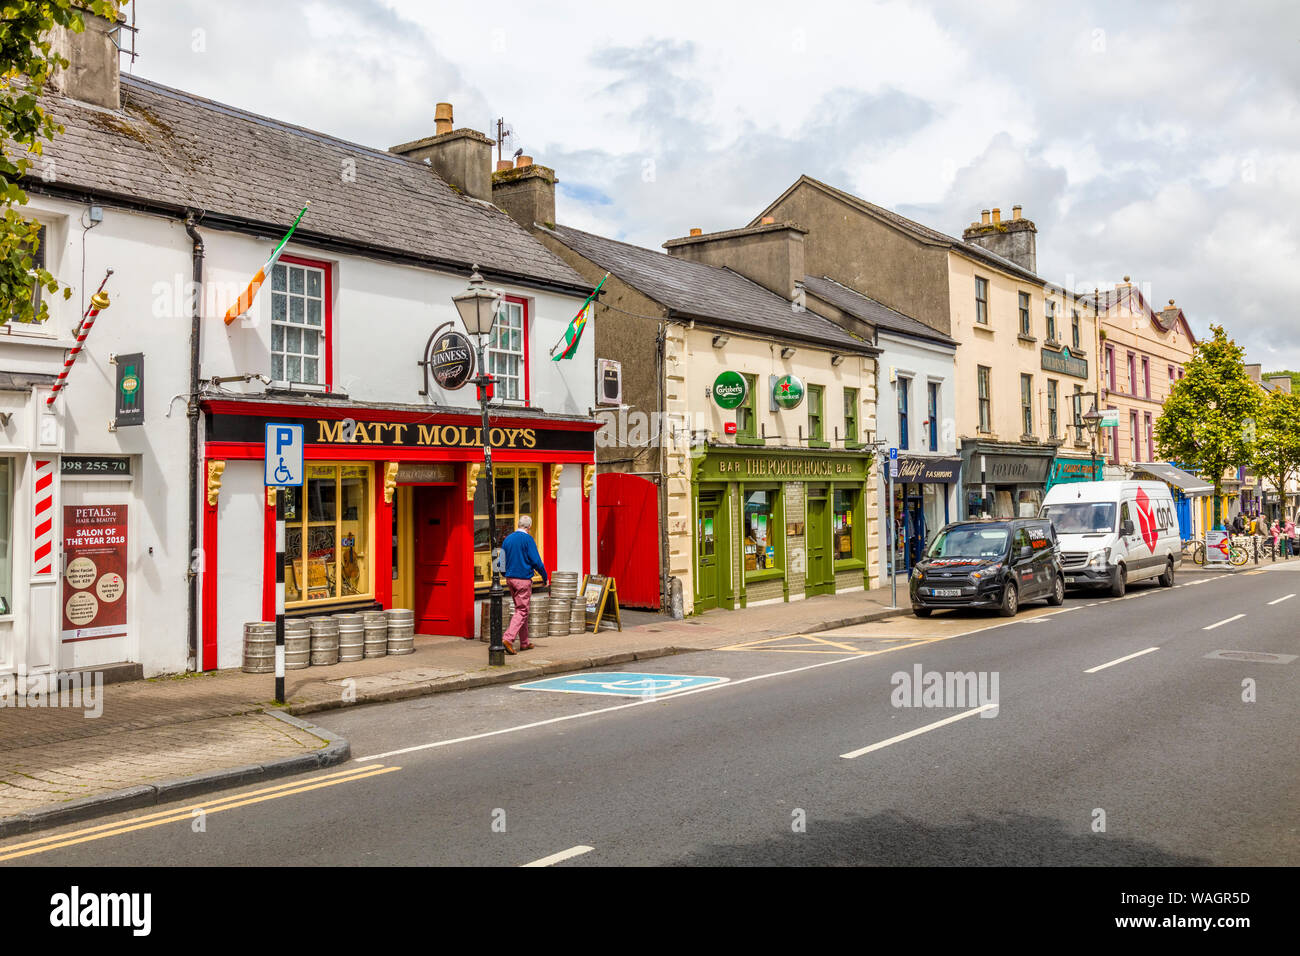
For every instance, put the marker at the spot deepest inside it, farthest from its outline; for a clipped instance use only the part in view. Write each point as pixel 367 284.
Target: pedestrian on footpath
pixel 1238 524
pixel 1289 531
pixel 519 552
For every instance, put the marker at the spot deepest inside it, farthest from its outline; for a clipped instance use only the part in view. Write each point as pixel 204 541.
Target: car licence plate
pixel 1070 579
pixel 945 592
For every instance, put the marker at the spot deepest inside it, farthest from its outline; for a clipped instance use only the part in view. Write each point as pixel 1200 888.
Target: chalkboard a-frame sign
pixel 601 598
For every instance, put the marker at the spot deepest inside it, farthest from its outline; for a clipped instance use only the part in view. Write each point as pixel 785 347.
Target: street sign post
pixel 283 468
pixel 889 527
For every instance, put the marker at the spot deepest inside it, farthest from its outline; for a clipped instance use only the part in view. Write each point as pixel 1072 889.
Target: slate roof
pixel 869 310
pixel 709 293
pixel 171 149
pixel 913 228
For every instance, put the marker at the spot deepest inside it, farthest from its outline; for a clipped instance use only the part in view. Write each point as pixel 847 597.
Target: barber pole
pixel 279 595
pixel 43 518
pixel 98 303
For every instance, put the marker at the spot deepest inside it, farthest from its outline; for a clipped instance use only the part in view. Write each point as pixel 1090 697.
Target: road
pixel 1114 740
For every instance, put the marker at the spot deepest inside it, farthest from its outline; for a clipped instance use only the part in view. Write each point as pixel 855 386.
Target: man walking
pixel 521 559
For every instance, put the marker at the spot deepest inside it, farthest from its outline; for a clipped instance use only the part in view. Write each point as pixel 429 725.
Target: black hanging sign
pixel 450 357
pixel 130 390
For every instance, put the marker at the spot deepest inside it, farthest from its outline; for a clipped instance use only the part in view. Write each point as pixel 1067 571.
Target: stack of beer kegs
pixel 538 622
pixel 324 640
pixel 375 631
pixel 401 631
pixel 351 637
pixel 564 591
pixel 259 647
pixel 297 643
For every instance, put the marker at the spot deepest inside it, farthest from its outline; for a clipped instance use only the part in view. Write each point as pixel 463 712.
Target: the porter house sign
pixel 730 390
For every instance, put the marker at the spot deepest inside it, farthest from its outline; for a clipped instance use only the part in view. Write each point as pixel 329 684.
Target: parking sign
pixel 284 454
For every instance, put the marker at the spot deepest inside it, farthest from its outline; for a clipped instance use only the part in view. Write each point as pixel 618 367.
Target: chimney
pixel 525 192
pixel 1280 383
pixel 1254 370
pixel 1015 239
pixel 462 157
pixel 92 73
pixel 770 253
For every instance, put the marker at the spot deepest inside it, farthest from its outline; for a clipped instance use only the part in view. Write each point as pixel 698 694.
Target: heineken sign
pixel 730 389
pixel 1065 363
pixel 787 391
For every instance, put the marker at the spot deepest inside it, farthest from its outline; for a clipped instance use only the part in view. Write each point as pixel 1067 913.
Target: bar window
pixel 904 387
pixel 1074 330
pixel 815 429
pixel 985 402
pixel 1024 313
pixel 850 417
pixel 981 301
pixel 759 531
pixel 1049 311
pixel 1027 403
pixel 507 353
pixel 298 306
pixel 1052 420
pixel 6 536
pixel 846 518
pixel 518 490
pixel 1078 413
pixel 933 411
pixel 327 535
pixel 746 422
pixel 1146 377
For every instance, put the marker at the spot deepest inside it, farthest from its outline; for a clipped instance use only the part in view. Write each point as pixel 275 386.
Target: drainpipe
pixel 192 413
pixel 665 574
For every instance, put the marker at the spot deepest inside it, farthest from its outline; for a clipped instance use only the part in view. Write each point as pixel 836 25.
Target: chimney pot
pixel 768 220
pixel 523 161
pixel 1126 279
pixel 442 119
pixel 1015 212
pixel 984 217
pixel 997 215
pixel 503 164
pixel 696 231
pixel 1171 301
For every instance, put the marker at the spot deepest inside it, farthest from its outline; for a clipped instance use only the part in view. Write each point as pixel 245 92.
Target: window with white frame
pixel 298 323
pixel 507 352
pixel 6 536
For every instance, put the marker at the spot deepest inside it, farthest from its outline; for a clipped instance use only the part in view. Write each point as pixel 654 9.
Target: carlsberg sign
pixel 730 390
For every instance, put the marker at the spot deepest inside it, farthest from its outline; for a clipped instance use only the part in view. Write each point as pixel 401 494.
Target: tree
pixel 1203 424
pixel 27 60
pixel 1277 443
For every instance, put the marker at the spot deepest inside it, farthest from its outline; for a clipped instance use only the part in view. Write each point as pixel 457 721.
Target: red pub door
pixel 443 605
pixel 627 528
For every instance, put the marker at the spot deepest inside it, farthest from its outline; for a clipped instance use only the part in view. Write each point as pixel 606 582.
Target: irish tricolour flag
pixel 245 301
pixel 567 347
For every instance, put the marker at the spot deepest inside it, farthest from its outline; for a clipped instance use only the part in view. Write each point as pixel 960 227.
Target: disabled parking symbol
pixel 616 684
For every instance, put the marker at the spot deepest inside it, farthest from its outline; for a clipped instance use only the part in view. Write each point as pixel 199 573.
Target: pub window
pixel 507 353
pixel 6 536
pixel 327 535
pixel 985 401
pixel 1024 314
pixel 1027 403
pixel 847 516
pixel 746 421
pixel 1051 407
pixel 815 429
pixel 981 301
pixel 760 534
pixel 518 494
pixel 904 387
pixel 1074 330
pixel 850 416
pixel 298 322
pixel 933 411
pixel 1049 308
pixel 1078 413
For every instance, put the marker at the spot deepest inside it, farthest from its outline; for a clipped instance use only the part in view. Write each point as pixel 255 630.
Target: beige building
pixel 1026 349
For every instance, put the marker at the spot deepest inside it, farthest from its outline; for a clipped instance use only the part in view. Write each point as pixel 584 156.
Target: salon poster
pixel 94 575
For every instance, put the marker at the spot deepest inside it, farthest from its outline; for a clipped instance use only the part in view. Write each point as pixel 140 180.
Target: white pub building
pixel 138 535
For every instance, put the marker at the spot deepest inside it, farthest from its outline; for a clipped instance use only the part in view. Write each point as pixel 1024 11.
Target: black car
pixel 992 563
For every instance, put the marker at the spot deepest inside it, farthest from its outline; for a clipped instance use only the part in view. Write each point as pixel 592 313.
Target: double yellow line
pixel 178 814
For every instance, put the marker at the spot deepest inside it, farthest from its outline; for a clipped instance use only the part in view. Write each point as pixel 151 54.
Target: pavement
pixel 1153 729
pixel 166 737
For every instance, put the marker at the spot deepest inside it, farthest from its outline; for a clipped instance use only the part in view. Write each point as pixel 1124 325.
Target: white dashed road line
pixel 1281 599
pixel 560 857
pixel 1226 620
pixel 919 730
pixel 1119 660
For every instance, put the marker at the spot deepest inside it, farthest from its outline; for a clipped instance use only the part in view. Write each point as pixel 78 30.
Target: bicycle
pixel 1238 554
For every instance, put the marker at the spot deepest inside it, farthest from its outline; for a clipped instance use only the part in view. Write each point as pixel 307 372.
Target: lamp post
pixel 1092 421
pixel 478 309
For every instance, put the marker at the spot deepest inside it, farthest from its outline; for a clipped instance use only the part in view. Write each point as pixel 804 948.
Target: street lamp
pixel 1092 421
pixel 478 310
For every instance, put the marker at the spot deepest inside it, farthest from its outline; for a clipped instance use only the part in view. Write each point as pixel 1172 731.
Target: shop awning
pixel 1188 484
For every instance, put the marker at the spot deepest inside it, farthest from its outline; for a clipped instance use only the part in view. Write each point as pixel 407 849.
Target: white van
pixel 1115 532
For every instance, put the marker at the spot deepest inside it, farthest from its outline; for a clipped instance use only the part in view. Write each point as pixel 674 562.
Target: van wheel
pixel 1057 597
pixel 1010 601
pixel 1119 582
pixel 921 611
pixel 1167 579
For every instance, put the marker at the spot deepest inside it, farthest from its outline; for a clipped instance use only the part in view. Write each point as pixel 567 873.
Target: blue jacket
pixel 521 557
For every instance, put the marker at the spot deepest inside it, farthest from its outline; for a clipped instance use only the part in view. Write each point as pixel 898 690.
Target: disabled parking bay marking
pixel 620 684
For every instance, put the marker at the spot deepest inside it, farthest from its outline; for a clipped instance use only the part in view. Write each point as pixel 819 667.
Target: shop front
pixel 778 525
pixel 392 512
pixel 923 503
pixel 1003 480
pixel 1066 470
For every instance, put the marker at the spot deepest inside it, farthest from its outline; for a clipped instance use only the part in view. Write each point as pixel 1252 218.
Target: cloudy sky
pixel 1157 140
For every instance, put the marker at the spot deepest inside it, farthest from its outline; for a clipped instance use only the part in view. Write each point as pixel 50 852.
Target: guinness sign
pixel 451 359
